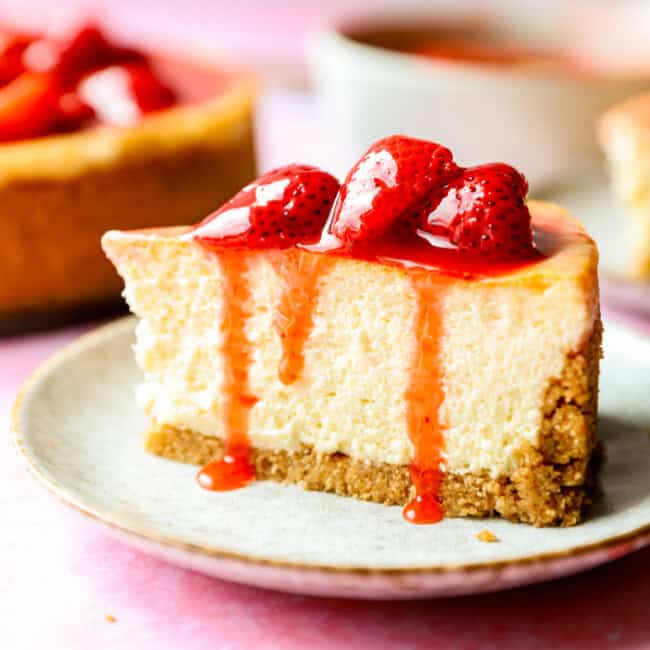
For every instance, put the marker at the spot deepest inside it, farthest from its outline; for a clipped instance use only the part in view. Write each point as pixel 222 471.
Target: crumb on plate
pixel 487 536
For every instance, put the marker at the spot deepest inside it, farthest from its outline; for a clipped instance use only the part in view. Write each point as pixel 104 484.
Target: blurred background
pixel 274 34
pixel 525 82
pixel 278 38
pixel 519 81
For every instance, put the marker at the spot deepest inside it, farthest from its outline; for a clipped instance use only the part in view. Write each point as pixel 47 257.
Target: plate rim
pixel 631 540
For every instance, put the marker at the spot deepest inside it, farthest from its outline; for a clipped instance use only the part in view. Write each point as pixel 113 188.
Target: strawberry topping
pixel 411 191
pixel 483 211
pixel 285 207
pixel 41 77
pixel 391 180
pixel 405 201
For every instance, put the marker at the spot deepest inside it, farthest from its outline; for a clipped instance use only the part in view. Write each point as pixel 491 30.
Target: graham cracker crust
pixel 552 486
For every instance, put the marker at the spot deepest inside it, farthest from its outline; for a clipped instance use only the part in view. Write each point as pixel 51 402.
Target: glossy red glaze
pixel 390 185
pixel 86 50
pixel 424 396
pixel 416 252
pixel 73 113
pixel 231 472
pixel 408 190
pixel 300 273
pixel 425 508
pixel 235 469
pixel 282 208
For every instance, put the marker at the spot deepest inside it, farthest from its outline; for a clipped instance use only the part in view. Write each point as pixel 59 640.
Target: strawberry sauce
pixel 424 397
pixel 293 320
pixel 235 469
pixel 404 204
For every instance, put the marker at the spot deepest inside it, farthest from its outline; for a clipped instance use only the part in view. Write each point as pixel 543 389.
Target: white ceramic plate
pixel 77 427
pixel 593 203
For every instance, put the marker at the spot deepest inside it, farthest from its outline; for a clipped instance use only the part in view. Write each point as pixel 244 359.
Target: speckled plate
pixel 593 203
pixel 77 427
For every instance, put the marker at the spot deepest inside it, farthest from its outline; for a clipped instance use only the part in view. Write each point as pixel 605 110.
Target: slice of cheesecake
pixel 392 369
pixel 625 138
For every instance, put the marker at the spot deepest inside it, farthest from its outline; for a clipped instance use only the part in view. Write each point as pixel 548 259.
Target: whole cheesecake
pixel 411 337
pixel 97 136
pixel 624 133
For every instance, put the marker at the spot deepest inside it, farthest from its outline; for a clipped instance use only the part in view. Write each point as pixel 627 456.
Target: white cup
pixel 539 118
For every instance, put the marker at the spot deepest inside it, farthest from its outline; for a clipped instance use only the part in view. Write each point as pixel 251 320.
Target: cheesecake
pixel 418 336
pixel 624 133
pixel 95 136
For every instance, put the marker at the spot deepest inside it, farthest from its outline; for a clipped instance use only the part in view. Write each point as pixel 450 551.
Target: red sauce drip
pixel 235 469
pixel 231 472
pixel 424 397
pixel 294 316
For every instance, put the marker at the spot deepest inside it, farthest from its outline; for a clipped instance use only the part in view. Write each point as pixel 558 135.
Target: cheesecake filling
pixel 363 336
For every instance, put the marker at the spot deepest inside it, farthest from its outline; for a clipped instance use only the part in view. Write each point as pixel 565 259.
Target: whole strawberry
pixel 483 212
pixel 388 184
pixel 287 206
